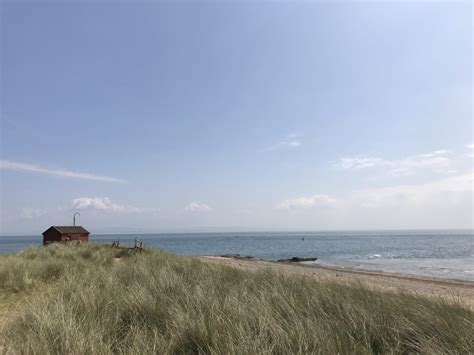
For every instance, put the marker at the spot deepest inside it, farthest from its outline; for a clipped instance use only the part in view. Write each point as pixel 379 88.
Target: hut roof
pixel 69 229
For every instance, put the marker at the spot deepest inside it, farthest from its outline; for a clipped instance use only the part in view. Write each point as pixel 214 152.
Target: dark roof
pixel 68 229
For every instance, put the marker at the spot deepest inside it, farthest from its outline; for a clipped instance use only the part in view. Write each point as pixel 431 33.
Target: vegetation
pixel 94 299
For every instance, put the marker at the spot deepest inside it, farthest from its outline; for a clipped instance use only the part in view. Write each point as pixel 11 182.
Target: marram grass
pixel 84 299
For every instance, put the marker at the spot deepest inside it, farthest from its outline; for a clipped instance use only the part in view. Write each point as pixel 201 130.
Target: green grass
pixel 80 299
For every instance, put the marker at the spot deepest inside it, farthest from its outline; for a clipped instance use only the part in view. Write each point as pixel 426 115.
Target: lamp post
pixel 74 218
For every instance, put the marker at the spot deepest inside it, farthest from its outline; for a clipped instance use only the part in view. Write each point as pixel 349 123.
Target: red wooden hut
pixel 65 233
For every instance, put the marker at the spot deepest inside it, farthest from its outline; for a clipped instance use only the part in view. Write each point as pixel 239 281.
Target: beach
pixel 447 289
pixel 94 298
pixel 237 177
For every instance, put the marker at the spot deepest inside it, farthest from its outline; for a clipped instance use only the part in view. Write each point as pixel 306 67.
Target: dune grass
pixel 94 299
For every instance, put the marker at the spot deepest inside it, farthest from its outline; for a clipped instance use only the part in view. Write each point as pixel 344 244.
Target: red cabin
pixel 64 234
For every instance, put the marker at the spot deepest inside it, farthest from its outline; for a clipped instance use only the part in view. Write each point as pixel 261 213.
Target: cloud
pixel 30 213
pixel 444 191
pixel 197 207
pixel 437 161
pixel 105 204
pixel 18 166
pixel 306 202
pixel 359 163
pixel 471 153
pixel 446 202
pixel 290 141
pixel 442 203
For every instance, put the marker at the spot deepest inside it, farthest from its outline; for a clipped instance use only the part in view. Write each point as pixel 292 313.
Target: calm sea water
pixel 446 254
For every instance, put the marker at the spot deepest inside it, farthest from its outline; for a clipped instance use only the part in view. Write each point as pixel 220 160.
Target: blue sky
pixel 160 116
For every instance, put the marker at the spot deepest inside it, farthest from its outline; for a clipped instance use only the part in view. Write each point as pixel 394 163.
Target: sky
pixel 231 116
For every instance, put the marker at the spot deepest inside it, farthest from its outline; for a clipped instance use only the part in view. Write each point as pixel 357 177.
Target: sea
pixel 439 254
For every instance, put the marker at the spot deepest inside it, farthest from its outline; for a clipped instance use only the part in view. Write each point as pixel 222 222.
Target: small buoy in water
pixel 302 238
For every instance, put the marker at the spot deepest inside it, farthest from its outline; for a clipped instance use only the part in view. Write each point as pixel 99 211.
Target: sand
pixel 450 290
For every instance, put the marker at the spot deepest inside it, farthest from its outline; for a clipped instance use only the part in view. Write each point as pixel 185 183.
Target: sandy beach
pixel 451 290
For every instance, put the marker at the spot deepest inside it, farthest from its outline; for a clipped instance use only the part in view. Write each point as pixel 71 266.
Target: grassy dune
pixel 93 299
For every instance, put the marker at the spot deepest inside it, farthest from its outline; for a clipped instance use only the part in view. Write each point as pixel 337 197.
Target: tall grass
pixel 82 300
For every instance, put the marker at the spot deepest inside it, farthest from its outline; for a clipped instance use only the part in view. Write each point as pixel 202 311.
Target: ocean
pixel 443 254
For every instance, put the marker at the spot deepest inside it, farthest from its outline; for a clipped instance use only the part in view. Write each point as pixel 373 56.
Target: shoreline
pixel 432 287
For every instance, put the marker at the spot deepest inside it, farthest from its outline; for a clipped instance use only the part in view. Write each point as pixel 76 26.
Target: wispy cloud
pixel 197 207
pixel 444 191
pixel 437 161
pixel 439 203
pixel 32 168
pixel 471 153
pixel 291 141
pixel 306 202
pixel 30 213
pixel 105 204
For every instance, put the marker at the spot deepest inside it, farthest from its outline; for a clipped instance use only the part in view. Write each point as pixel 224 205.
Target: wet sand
pixel 450 290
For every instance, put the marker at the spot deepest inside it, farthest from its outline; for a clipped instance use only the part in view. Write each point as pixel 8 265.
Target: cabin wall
pixel 80 236
pixel 51 235
pixel 54 236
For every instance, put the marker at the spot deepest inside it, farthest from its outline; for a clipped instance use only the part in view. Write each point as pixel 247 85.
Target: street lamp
pixel 74 218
